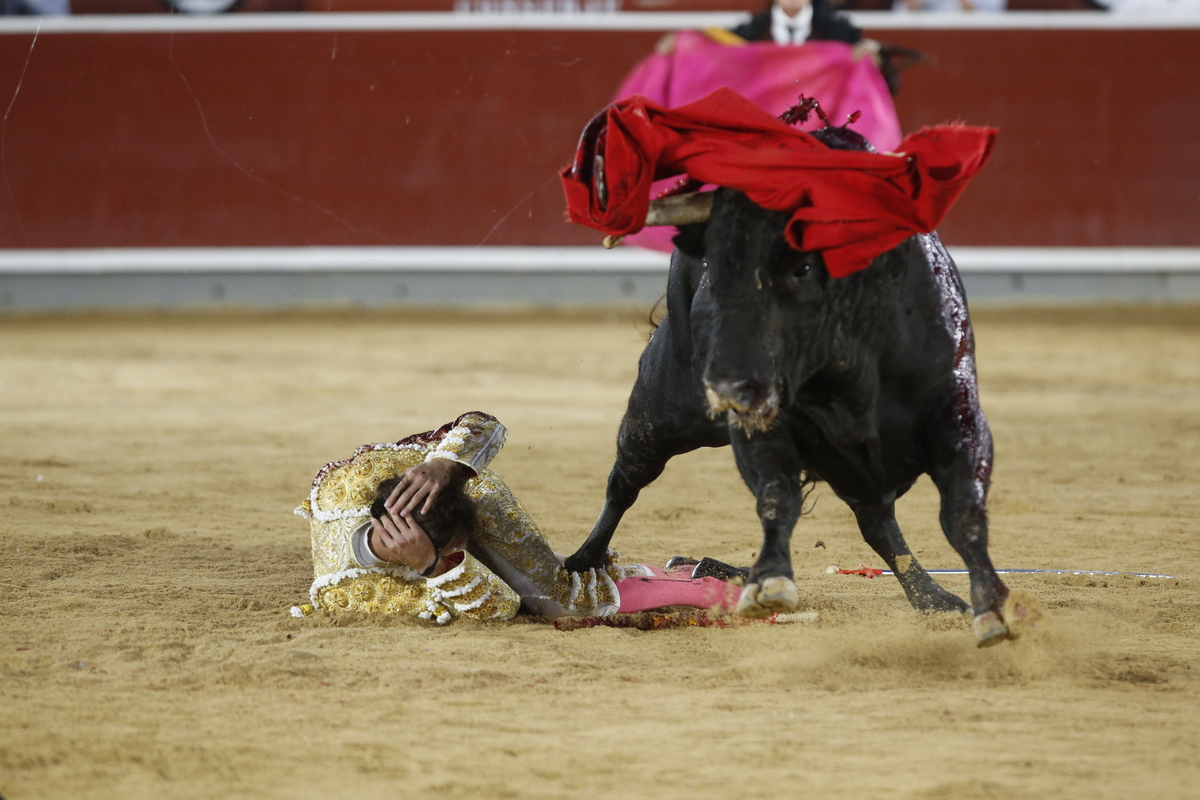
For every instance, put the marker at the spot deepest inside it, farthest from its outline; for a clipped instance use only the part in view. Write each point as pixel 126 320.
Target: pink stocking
pixel 643 594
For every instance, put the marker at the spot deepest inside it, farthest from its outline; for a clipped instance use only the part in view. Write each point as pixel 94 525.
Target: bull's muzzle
pixel 748 403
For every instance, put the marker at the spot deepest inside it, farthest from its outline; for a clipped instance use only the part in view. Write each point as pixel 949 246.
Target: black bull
pixel 865 382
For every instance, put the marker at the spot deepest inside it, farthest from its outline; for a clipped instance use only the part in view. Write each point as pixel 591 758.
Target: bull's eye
pixel 799 277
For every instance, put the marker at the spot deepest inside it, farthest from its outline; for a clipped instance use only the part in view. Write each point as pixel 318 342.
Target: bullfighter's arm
pixel 473 440
pixel 469 443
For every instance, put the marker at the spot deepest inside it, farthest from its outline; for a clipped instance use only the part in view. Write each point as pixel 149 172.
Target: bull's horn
pixel 682 209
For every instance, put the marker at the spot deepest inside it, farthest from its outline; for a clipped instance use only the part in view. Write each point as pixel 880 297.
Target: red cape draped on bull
pixel 849 205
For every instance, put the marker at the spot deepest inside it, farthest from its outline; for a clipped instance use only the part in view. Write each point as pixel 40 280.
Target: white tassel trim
pixel 344 513
pixel 447 576
pixel 470 606
pixel 460 591
pixel 573 598
pixel 436 612
pixel 591 589
pixel 613 591
pixel 450 444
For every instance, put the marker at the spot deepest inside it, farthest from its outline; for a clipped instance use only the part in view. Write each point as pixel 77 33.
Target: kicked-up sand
pixel 149 556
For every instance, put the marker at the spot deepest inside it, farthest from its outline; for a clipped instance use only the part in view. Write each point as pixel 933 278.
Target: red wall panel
pixel 454 137
pixel 298 137
pixel 1097 132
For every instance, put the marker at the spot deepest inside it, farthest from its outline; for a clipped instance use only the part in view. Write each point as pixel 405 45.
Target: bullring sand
pixel 148 559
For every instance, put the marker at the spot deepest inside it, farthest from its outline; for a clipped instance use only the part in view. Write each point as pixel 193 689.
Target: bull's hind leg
pixel 966 526
pixel 771 469
pixel 962 479
pixel 879 529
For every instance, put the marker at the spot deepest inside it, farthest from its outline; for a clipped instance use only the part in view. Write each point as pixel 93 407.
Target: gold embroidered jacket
pixel 507 563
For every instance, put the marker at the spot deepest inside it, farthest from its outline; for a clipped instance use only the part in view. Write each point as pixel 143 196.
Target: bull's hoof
pixel 775 594
pixel 582 563
pixel 990 629
pixel 1019 612
pixel 939 601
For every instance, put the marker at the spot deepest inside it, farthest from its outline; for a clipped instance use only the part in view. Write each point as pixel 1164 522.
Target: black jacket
pixel 828 24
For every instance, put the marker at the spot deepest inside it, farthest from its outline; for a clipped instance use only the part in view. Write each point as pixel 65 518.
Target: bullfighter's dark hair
pixel 453 513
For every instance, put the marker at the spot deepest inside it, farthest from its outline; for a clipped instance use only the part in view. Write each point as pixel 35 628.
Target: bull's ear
pixel 690 239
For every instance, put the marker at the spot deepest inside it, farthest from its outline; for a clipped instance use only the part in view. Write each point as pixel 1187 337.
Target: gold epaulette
pixel 722 36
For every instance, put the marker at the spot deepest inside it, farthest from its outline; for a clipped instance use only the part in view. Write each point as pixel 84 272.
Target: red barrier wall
pixel 1097 132
pixel 405 137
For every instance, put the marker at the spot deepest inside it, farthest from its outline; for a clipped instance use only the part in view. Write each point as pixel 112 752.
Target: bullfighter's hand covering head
pixel 339 505
pixel 849 205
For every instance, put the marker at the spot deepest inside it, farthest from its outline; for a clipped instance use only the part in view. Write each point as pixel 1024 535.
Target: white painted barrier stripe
pixel 1076 259
pixel 369 21
pixel 332 259
pixel 583 20
pixel 971 260
pixel 1027 20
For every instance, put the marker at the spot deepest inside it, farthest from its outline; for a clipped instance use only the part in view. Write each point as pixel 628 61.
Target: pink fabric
pixel 643 594
pixel 773 77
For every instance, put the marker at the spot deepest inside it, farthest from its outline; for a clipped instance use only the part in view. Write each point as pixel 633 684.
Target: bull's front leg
pixel 640 460
pixel 665 417
pixel 880 530
pixel 771 469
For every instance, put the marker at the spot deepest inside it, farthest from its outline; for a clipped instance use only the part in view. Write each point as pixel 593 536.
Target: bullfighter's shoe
pixel 711 568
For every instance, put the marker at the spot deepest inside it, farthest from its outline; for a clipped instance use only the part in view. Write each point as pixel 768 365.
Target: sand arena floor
pixel 148 558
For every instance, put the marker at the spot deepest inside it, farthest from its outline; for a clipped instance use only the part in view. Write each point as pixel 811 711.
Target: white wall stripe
pixel 332 259
pixel 1077 259
pixel 591 21
pixel 501 260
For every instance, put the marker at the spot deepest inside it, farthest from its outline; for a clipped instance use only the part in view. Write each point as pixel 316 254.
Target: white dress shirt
pixel 791 30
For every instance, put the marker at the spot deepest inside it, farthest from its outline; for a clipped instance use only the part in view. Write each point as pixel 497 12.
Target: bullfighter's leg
pixel 640 593
pixel 772 471
pixel 879 529
pixel 962 478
